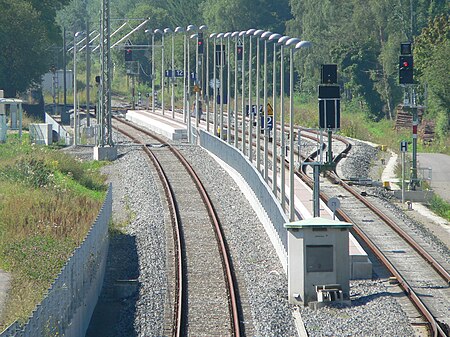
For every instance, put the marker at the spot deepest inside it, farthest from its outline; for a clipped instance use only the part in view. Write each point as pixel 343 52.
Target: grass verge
pixel 48 201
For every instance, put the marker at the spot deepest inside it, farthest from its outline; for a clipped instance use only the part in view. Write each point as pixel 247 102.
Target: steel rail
pixel 176 226
pixel 229 276
pixel 409 291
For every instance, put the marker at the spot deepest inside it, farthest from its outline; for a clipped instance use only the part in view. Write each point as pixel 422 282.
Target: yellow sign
pixel 269 109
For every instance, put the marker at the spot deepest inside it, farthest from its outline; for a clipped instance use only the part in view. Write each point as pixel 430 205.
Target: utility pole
pixel 105 77
pixel 88 74
pixel 63 112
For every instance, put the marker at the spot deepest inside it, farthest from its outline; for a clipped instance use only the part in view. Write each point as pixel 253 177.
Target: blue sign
pixel 269 122
pixel 178 73
pixel 253 109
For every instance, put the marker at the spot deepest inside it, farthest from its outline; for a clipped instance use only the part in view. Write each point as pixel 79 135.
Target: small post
pixel 316 191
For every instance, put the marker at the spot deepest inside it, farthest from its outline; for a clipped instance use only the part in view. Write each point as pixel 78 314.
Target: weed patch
pixel 48 202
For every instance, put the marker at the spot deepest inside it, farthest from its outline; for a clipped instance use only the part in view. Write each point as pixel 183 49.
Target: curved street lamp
pixel 204 83
pixel 76 115
pixel 172 98
pixel 149 31
pixel 159 31
pixel 198 77
pixel 291 43
pixel 258 34
pixel 182 31
pixel 242 35
pixel 189 30
pixel 274 38
pixel 265 36
pixel 235 36
pixel 227 36
pixel 250 33
pixel 214 36
pixel 220 36
pixel 281 41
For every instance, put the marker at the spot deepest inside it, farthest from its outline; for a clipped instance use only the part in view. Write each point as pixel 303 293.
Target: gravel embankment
pixel 140 253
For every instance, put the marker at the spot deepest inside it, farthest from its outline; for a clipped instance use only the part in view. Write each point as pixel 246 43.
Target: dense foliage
pixel 363 38
pixel 27 33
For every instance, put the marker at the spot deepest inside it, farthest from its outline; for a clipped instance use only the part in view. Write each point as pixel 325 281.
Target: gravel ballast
pixel 140 253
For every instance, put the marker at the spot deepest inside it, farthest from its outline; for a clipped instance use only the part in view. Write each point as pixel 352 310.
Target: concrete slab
pixel 5 284
pixel 105 153
pixel 168 128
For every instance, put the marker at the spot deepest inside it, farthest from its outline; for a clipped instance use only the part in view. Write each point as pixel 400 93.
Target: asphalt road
pixel 440 172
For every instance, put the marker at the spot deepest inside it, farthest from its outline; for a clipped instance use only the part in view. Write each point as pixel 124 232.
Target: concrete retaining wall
pixel 67 308
pixel 63 135
pixel 263 193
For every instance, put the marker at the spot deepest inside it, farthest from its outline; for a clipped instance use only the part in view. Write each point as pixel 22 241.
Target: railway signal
pixel 239 52
pixel 200 43
pixel 128 54
pixel 405 69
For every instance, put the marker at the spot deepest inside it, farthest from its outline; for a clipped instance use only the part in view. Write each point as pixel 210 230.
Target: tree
pixel 431 50
pixel 25 53
pixel 232 15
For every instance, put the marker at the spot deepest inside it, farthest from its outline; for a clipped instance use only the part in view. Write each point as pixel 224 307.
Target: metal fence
pixel 236 160
pixel 68 306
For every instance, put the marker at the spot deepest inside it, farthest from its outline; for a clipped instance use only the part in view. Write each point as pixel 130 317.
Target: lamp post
pixel 220 36
pixel 159 31
pixel 274 38
pixel 228 36
pixel 202 29
pixel 206 93
pixel 242 35
pixel 265 36
pixel 214 37
pixel 235 35
pixel 76 118
pixel 281 41
pixel 149 31
pixel 182 31
pixel 198 77
pixel 291 43
pixel 258 34
pixel 190 29
pixel 250 124
pixel 172 98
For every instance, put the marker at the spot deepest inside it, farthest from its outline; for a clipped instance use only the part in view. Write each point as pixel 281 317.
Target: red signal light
pixel 405 64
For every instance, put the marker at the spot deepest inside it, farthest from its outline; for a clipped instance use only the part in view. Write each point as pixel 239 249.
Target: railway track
pixel 423 277
pixel 204 300
pixel 419 269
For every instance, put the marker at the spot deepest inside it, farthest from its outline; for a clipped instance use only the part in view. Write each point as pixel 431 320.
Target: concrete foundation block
pixel 361 270
pixel 105 153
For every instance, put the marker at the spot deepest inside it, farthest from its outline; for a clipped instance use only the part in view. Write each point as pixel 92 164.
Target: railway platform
pixel 360 265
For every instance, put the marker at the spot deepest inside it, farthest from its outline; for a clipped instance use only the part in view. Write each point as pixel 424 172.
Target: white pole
pixel 266 128
pixel 243 96
pixel 250 125
pixel 236 134
pixel 283 141
pixel 153 73
pixel 206 94
pixel 228 92
pixel 274 137
pixel 222 134
pixel 162 72
pixel 291 137
pixel 189 127
pixel 75 114
pixel 258 114
pixel 173 75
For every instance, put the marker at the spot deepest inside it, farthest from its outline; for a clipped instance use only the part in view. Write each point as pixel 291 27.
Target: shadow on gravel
pixel 363 300
pixel 116 306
